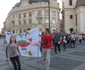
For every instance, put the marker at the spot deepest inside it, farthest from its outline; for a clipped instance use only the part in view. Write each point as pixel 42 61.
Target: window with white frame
pixel 19 16
pixel 19 21
pixel 24 21
pixel 24 15
pixel 30 21
pixel 39 12
pixel 46 12
pixel 30 14
pixel 54 13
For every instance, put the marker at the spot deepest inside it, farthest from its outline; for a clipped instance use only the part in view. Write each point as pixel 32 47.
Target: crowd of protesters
pixel 66 40
pixel 48 42
pixel 55 40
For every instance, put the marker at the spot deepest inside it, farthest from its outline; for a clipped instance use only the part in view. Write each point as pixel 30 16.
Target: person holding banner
pixel 47 42
pixel 12 53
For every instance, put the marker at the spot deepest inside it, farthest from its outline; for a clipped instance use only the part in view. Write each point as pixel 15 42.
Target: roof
pixel 17 4
pixel 80 3
pixel 36 1
pixel 31 1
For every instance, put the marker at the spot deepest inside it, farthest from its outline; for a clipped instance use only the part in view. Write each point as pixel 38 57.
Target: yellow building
pixel 31 13
pixel 74 15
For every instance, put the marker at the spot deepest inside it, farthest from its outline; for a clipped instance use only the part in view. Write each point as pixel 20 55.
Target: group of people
pixel 54 41
pixel 48 42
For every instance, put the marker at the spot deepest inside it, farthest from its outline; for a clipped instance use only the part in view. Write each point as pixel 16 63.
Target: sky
pixel 6 6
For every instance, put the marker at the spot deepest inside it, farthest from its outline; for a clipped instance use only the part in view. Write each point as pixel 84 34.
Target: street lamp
pixel 49 12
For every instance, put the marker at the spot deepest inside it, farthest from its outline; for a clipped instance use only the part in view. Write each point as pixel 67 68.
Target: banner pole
pixel 38 55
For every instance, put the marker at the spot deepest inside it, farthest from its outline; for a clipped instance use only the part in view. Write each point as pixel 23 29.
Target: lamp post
pixel 63 14
pixel 49 12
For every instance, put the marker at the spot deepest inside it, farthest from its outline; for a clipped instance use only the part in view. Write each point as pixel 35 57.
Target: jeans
pixel 80 41
pixel 16 62
pixel 73 43
pixel 64 45
pixel 46 54
pixel 56 45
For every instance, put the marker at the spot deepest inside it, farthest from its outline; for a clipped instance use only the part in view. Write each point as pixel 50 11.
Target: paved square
pixel 59 61
pixel 78 53
pixel 63 63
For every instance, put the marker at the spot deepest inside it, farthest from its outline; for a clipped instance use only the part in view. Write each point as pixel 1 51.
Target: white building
pixel 74 15
pixel 31 13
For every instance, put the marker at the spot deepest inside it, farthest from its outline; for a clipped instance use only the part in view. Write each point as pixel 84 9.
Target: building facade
pixel 74 15
pixel 31 13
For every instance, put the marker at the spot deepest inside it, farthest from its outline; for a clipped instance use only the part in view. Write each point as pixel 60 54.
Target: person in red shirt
pixel 47 43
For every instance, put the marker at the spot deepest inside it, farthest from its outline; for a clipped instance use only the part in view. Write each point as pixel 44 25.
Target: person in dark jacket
pixel 57 41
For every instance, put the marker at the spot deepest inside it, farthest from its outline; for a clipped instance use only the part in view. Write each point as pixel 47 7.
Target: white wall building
pixel 74 15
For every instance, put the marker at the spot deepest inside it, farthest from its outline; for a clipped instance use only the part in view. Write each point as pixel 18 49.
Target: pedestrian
pixel 47 43
pixel 83 36
pixel 64 42
pixel 40 44
pixel 12 53
pixel 57 42
pixel 73 39
pixel 80 38
pixel 68 38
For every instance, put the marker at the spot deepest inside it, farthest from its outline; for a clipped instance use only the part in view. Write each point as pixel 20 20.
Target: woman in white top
pixel 80 38
pixel 12 53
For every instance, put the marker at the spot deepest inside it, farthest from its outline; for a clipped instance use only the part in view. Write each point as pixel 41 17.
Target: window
pixel 54 13
pixel 30 21
pixel 54 20
pixel 19 22
pixel 24 21
pixel 71 16
pixel 16 31
pixel 20 30
pixel 30 14
pixel 13 16
pixel 24 15
pixel 39 22
pixel 13 23
pixel 25 30
pixel 13 31
pixel 46 20
pixel 39 12
pixel 70 2
pixel 46 12
pixel 19 15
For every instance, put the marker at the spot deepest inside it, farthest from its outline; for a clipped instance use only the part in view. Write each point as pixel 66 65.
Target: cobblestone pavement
pixel 70 59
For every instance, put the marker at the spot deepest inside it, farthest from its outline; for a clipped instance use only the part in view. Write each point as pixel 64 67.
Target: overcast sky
pixel 6 6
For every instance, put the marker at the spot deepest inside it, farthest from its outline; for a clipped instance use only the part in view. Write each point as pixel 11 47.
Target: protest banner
pixel 28 42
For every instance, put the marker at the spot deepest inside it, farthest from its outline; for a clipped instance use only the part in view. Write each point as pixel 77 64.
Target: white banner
pixel 28 43
pixel 8 35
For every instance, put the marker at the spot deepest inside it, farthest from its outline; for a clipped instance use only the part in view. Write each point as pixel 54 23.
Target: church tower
pixel 69 3
pixel 69 14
